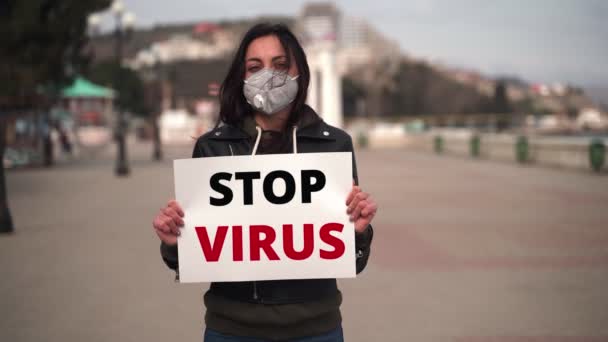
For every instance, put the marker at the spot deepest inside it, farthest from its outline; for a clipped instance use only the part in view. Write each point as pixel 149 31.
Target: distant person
pixel 66 145
pixel 263 111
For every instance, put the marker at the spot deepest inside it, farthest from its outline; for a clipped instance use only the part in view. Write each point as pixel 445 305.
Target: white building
pixel 184 47
pixel 336 45
pixel 591 118
pixel 178 127
pixel 318 25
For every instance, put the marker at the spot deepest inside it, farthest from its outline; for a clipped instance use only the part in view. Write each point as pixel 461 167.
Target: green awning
pixel 83 88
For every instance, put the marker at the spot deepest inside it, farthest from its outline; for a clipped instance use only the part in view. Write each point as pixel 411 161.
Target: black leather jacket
pixel 317 136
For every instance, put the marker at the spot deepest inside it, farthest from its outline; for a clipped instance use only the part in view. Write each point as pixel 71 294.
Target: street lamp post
pixel 124 25
pixel 159 71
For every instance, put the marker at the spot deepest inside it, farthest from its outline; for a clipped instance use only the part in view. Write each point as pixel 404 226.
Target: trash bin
pixel 362 140
pixel 475 146
pixel 597 154
pixel 522 153
pixel 438 144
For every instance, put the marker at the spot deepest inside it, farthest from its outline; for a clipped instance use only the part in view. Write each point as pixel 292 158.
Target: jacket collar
pixel 310 125
pixel 227 132
pixel 319 131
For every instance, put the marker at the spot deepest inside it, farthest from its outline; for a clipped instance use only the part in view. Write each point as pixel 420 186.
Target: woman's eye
pixel 281 66
pixel 253 68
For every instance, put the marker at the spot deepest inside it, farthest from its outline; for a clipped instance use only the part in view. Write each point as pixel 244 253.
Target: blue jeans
pixel 335 335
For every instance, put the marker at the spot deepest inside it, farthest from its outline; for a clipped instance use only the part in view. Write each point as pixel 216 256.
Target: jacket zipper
pixel 255 285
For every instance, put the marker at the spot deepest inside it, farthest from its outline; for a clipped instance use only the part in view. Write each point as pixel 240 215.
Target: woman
pixel 263 111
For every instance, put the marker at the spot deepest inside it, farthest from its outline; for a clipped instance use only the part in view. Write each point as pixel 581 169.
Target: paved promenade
pixel 465 251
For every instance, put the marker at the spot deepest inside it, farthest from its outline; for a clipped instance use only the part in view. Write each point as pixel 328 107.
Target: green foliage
pixel 42 43
pixel 125 81
pixel 420 89
pixel 351 94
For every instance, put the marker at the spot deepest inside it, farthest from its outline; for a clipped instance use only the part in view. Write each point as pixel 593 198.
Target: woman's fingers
pixel 159 222
pixel 360 196
pixel 357 210
pixel 362 210
pixel 370 209
pixel 165 224
pixel 175 206
pixel 168 222
pixel 171 212
pixel 174 228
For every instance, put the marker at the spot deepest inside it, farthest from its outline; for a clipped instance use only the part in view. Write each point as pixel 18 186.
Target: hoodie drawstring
pixel 256 297
pixel 257 140
pixel 259 136
pixel 294 141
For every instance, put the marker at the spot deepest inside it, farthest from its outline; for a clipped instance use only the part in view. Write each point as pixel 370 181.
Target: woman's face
pixel 267 52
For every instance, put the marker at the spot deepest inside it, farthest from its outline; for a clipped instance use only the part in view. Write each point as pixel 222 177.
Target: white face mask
pixel 269 90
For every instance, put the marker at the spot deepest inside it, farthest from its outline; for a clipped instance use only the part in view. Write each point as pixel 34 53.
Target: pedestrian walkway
pixel 464 251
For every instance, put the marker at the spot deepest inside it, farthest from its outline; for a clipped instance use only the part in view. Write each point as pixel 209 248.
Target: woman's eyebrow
pixel 257 59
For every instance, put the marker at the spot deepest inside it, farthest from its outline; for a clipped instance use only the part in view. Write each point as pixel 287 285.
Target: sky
pixel 537 40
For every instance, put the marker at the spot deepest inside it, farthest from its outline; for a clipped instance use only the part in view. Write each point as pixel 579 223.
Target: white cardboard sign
pixel 265 217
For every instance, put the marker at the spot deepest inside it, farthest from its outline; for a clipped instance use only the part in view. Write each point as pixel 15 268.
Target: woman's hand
pixel 168 222
pixel 361 208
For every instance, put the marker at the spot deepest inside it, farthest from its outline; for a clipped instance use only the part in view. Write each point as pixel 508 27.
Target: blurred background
pixel 480 127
